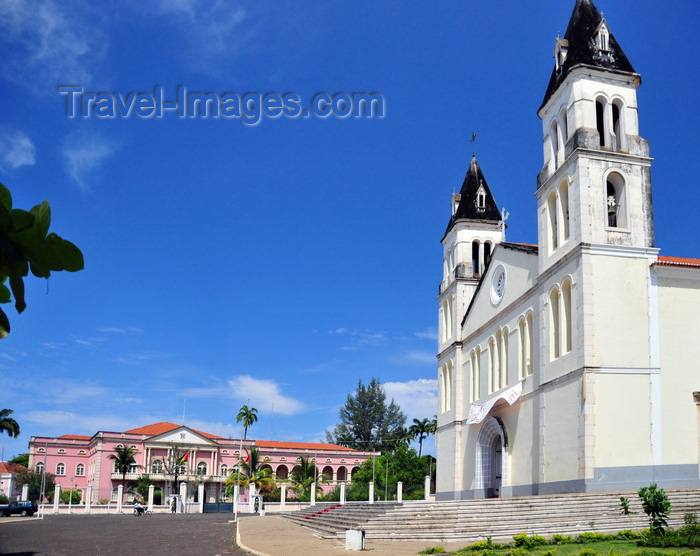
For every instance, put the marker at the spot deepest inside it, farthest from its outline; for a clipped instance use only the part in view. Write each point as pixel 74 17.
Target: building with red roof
pixel 172 454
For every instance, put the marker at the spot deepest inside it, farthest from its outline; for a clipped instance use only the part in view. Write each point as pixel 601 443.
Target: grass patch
pixel 678 542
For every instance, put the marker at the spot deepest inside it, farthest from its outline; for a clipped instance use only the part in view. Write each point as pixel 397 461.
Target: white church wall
pixel 622 421
pixel 680 358
pixel 620 312
pixel 560 433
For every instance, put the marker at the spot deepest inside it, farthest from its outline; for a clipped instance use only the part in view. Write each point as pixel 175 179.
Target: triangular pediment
pixel 182 436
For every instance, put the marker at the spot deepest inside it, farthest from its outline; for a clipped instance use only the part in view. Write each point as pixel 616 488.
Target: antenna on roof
pixel 473 140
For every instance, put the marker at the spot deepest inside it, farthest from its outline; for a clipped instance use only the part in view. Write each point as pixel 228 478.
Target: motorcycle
pixel 141 510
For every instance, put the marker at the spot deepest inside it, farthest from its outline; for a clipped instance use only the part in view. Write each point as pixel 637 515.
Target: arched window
pixel 493 365
pixel 554 342
pixel 282 472
pixel 224 470
pixel 564 204
pixel 328 472
pixel 563 117
pixel 342 473
pixel 600 120
pixel 487 253
pixel 531 344
pixel 524 348
pixel 615 201
pixel 567 332
pixel 80 470
pixel 157 466
pixel 503 359
pixel 202 468
pixel 556 145
pixel 476 265
pixel 616 127
pixel 40 467
pixel 60 469
pixel 553 221
pixel 481 199
pixel 448 387
pixel 474 359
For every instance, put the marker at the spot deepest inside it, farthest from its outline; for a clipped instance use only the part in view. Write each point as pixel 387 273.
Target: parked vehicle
pixel 21 507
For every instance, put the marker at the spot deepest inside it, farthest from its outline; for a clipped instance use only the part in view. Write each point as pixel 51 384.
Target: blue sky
pixel 278 264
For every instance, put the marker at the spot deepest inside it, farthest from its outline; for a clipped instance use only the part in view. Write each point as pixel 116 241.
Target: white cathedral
pixel 571 365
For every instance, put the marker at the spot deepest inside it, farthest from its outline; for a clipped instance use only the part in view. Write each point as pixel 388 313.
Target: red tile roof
pixel 300 445
pixel 160 428
pixel 678 261
pixel 7 467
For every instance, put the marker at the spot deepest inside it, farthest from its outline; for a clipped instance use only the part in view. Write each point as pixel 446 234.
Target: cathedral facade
pixel 570 365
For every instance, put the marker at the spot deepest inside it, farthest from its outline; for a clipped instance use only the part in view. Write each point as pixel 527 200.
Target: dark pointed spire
pixel 582 46
pixel 475 199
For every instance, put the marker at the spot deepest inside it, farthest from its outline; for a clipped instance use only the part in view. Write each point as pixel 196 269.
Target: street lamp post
pixel 70 495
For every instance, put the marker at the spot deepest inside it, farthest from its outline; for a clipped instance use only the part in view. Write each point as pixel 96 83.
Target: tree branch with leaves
pixel 26 245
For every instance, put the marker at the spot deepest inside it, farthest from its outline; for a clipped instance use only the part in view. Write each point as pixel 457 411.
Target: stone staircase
pixel 499 518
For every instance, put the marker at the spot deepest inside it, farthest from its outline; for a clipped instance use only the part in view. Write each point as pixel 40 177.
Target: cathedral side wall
pixel 679 325
pixel 561 414
pixel 620 312
pixel 622 422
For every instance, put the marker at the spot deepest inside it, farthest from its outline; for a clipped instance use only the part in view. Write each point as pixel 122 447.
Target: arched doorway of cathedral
pixel 490 468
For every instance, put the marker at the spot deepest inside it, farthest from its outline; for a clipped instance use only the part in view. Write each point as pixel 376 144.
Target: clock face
pixel 498 284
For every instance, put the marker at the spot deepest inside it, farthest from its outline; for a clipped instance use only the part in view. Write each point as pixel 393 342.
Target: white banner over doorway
pixel 477 412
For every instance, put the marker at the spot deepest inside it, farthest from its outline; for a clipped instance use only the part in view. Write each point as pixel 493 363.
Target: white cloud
pixel 50 42
pixel 213 30
pixel 427 334
pixel 264 394
pixel 67 422
pixel 17 149
pixel 84 156
pixel 417 398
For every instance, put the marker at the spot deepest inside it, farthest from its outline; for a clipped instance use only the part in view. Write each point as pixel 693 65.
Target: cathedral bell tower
pixel 595 185
pixel 474 229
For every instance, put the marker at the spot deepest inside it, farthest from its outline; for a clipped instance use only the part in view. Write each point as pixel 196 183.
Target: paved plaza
pixel 118 535
pixel 177 535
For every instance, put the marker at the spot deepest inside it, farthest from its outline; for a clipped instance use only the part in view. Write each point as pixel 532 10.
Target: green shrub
pixel 522 540
pixel 587 537
pixel 561 539
pixel 588 552
pixel 657 506
pixel 433 550
pixel 628 535
pixel 4 499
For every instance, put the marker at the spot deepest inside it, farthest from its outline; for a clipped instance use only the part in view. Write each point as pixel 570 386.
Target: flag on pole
pixel 185 457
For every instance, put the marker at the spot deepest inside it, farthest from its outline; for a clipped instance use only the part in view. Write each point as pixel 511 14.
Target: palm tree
pixel 248 415
pixel 8 424
pixel 304 474
pixel 420 429
pixel 251 472
pixel 123 458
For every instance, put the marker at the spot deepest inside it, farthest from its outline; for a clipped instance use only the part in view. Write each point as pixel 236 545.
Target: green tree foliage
pixel 21 459
pixel 367 422
pixel 142 485
pixel 123 458
pixel 404 465
pixel 656 505
pixel 8 424
pixel 33 479
pixel 303 475
pixel 419 430
pixel 248 415
pixel 72 496
pixel 251 471
pixel 26 244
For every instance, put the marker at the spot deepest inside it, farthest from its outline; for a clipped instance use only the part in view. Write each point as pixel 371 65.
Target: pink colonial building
pixel 83 461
